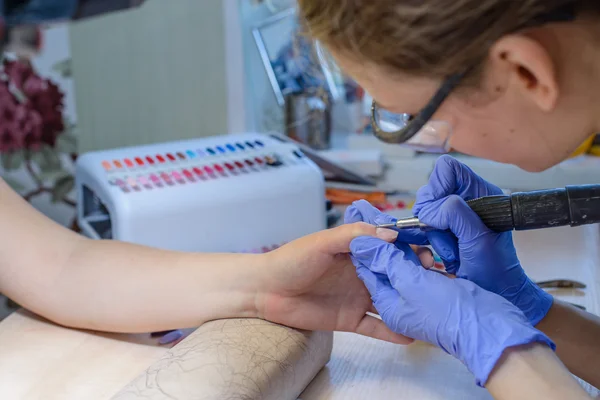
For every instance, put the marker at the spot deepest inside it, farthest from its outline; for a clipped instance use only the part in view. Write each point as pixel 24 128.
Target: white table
pixel 39 360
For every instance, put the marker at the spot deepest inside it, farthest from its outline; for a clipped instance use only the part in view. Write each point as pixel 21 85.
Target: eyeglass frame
pixel 566 13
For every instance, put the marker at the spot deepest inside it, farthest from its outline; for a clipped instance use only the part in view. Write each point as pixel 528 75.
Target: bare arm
pixel 240 359
pixel 577 337
pixel 115 286
pixel 121 287
pixel 533 372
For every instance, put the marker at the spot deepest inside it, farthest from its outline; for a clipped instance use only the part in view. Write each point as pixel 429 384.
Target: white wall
pixel 57 48
pixel 151 74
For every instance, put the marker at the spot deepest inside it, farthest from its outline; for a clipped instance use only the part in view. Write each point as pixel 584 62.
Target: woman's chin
pixel 535 166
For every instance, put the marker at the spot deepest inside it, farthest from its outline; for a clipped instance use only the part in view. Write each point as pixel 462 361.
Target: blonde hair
pixel 430 38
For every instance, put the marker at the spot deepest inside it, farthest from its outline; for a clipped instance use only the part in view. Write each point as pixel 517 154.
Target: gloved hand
pixel 363 211
pixel 471 250
pixel 472 324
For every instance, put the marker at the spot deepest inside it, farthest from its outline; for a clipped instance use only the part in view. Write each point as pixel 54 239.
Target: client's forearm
pixel 533 372
pixel 577 337
pixel 116 286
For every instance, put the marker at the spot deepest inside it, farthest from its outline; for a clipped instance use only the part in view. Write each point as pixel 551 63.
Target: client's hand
pixel 473 325
pixel 469 249
pixel 311 284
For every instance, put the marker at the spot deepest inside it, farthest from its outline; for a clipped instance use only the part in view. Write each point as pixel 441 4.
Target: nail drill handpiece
pixel 572 205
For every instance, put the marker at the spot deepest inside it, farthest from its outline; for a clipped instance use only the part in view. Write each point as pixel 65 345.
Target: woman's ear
pixel 530 69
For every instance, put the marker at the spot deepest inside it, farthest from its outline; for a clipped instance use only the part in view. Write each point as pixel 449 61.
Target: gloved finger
pixel 384 296
pixel 171 337
pixel 445 245
pixel 454 214
pixel 362 210
pixel 400 264
pixel 450 176
pixel 376 328
pixel 412 236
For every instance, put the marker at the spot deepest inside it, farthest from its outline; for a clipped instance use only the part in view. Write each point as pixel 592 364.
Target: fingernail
pixel 386 234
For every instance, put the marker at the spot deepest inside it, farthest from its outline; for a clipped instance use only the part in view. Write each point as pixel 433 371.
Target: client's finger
pixel 376 328
pixel 372 309
pixel 362 210
pixel 337 240
pixel 426 256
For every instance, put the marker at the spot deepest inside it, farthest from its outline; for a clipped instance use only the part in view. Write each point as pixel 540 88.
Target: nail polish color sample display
pixel 227 193
pixel 151 171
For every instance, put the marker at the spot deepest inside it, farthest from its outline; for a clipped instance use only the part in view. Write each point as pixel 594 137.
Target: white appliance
pixel 232 193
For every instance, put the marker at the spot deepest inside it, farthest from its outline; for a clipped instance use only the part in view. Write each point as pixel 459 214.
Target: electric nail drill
pixel 572 205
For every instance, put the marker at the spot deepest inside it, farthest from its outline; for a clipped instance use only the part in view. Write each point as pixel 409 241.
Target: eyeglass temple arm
pixel 418 121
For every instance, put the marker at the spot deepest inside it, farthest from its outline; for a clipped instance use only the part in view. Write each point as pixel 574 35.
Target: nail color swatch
pixel 138 172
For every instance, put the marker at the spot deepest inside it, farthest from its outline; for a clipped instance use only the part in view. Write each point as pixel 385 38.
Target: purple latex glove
pixel 363 211
pixel 468 248
pixel 471 324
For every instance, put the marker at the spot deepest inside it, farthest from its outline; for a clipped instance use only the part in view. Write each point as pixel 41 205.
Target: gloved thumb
pixel 450 176
pixel 454 214
pixel 445 245
pixel 398 262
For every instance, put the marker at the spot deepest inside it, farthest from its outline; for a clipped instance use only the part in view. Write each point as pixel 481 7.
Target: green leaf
pixel 53 175
pixel 48 159
pixel 67 143
pixel 63 68
pixel 13 183
pixel 37 157
pixel 5 158
pixel 12 160
pixel 62 187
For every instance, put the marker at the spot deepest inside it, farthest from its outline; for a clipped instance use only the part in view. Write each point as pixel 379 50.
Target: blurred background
pixel 161 72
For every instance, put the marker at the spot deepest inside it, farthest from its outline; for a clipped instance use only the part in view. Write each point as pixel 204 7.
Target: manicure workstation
pixel 162 195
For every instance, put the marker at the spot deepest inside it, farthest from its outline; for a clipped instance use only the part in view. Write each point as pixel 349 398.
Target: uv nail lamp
pixel 232 193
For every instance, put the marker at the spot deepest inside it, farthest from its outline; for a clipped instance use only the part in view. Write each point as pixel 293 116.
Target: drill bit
pixel 405 223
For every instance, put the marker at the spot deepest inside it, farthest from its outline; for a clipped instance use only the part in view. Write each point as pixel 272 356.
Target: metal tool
pixel 562 284
pixel 572 205
pixel 577 305
pixel 406 223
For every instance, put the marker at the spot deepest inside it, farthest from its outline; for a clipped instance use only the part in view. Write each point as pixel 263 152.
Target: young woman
pixel 512 81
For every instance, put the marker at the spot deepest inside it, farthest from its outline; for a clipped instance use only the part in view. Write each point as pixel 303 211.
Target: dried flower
pixel 31 108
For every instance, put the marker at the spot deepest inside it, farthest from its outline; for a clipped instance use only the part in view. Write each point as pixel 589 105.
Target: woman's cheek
pixel 475 144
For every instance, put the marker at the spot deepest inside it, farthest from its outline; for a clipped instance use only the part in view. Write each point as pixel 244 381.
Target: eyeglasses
pixel 417 132
pixel 421 133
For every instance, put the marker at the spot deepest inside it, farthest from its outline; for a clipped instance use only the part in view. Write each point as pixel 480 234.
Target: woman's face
pixel 515 116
